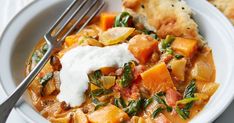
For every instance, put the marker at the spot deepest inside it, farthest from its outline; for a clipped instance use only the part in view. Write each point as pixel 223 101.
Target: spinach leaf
pixel 99 92
pixel 36 56
pixel 157 111
pixel 147 102
pixel 94 78
pixel 44 80
pixel 127 77
pixel 98 104
pixel 178 56
pixel 134 107
pixel 44 48
pixel 119 102
pixel 188 100
pixel 190 89
pixel 123 20
pixel 169 51
pixel 151 33
pixel 162 101
pixel 183 113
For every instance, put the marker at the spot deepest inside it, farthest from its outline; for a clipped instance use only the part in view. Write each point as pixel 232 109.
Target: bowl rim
pixel 224 20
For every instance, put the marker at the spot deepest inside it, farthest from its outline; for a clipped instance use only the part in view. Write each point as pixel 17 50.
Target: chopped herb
pixel 178 56
pixel 157 111
pixel 94 78
pixel 127 76
pixel 134 107
pixel 44 80
pixel 167 42
pixel 147 102
pixel 119 102
pixel 123 20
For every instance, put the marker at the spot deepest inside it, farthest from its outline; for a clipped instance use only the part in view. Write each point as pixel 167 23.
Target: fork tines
pixel 76 11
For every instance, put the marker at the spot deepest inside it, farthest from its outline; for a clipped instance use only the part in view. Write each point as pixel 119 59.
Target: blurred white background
pixel 9 8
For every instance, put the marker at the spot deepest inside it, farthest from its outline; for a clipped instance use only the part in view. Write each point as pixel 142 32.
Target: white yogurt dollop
pixel 82 60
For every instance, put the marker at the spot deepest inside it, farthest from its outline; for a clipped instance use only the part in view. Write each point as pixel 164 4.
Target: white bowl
pixel 24 31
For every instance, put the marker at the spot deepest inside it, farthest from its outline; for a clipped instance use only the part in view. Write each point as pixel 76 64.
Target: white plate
pixel 30 24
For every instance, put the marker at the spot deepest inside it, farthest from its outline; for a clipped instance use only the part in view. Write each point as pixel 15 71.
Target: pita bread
pixel 166 17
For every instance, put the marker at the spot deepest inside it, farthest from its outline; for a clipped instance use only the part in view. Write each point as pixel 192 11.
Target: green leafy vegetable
pixel 183 113
pixel 151 33
pixel 44 48
pixel 119 102
pixel 186 100
pixel 157 111
pixel 123 20
pixel 147 102
pixel 127 76
pixel 178 56
pixel 99 92
pixel 169 51
pixel 162 101
pixel 44 80
pixel 134 107
pixel 95 77
pixel 190 89
pixel 161 93
pixel 36 56
pixel 98 104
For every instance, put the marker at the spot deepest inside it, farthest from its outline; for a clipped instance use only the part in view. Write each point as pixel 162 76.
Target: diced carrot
pixel 157 78
pixel 172 96
pixel 108 114
pixel 107 20
pixel 142 46
pixel 186 47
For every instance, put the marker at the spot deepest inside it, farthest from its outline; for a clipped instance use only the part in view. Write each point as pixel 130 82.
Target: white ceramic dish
pixel 23 32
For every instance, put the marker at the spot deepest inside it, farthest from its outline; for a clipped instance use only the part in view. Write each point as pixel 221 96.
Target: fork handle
pixel 7 105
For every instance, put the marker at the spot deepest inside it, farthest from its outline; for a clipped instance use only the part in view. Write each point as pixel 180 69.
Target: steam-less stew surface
pixel 117 71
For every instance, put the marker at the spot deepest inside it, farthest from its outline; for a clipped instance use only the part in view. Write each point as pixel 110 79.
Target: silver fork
pixel 53 43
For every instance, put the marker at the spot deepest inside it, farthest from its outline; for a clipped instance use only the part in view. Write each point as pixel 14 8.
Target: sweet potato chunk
pixel 186 47
pixel 107 20
pixel 142 46
pixel 157 78
pixel 108 114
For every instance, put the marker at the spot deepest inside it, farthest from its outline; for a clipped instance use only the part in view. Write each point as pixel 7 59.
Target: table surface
pixel 9 8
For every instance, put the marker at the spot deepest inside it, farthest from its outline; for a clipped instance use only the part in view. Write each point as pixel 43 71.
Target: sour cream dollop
pixel 80 61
